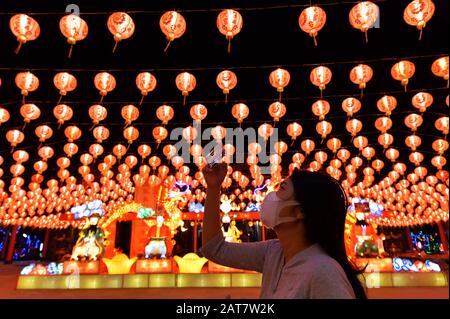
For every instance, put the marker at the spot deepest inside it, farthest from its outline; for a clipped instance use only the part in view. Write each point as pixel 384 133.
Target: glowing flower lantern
pixel 25 28
pixel 392 154
pixel 438 161
pixel 14 137
pixel 240 111
pixel 46 152
pixel 277 110
pixel 164 113
pixel 265 130
pixel 361 74
pixel 321 157
pixel 312 20
pixel 378 165
pixel 104 82
pixel 159 134
pixel 130 113
pixel 294 130
pixel 21 156
pixel 229 23
pixel 131 134
pixel 101 133
pixel 145 82
pixel 413 142
pixel 351 105
pixel 72 133
pixel 383 124
pixel 363 16
pixel 70 149
pixel 385 140
pixel 422 101
pixel 323 128
pixel 320 77
pixel 218 133
pixel 119 150
pixel 353 126
pixel 280 147
pixel 413 121
pixel 418 13
pixel 279 79
pixel 360 142
pixel 4 115
pixel 185 82
pixel 190 134
pixel 442 124
pixel 387 104
pixel 198 112
pixel 121 26
pixel 320 108
pixel 96 150
pixel 368 152
pixel 402 71
pixel 343 154
pixel 308 146
pixel 173 25
pixel 97 113
pixel 26 82
pixel 64 82
pixel 29 112
pixel 416 158
pixel 177 161
pixel 62 113
pixel 440 146
pixel 169 151
pixel 144 150
pixel 440 68
pixel 43 132
pixel 334 144
pixel 226 80
pixel 74 29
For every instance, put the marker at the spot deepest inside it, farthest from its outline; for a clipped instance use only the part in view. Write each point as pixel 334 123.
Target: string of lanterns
pixel 362 16
pixel 227 80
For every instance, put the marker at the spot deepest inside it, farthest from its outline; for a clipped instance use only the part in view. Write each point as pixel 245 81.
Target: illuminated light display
pixel 190 263
pixel 119 264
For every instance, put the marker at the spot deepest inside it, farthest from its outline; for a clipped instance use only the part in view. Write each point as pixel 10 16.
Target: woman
pixel 308 259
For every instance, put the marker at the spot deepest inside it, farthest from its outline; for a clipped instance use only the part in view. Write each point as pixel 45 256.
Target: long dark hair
pixel 324 205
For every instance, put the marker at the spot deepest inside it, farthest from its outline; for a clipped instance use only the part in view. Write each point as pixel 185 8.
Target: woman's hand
pixel 215 175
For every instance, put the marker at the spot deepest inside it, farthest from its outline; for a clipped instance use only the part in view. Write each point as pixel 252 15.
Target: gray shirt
pixel 310 274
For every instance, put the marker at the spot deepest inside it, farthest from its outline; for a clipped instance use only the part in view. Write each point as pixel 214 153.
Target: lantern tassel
pixel 23 99
pixel 24 125
pixel 279 97
pixel 226 98
pixel 142 99
pixel 92 127
pixel 420 34
pixel 293 141
pixel 59 125
pixel 366 36
pixel 60 98
pixel 70 51
pixel 167 46
pixel 321 93
pixel 184 100
pixel 229 45
pixel 115 46
pixel 18 48
pixel 101 100
pixel 315 41
pixel 362 94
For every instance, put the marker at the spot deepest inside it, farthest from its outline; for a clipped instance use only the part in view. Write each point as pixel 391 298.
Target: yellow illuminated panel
pixel 203 280
pixel 419 280
pixel 162 281
pixel 135 281
pixel 100 281
pixel 246 280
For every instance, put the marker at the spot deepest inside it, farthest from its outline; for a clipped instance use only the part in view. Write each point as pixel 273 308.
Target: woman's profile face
pixel 286 190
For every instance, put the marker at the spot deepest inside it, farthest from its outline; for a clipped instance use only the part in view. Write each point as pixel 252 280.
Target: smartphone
pixel 215 156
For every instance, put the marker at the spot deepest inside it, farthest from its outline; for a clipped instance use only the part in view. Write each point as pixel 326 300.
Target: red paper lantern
pixel 74 29
pixel 229 22
pixel 312 20
pixel 121 26
pixel 173 25
pixel 25 28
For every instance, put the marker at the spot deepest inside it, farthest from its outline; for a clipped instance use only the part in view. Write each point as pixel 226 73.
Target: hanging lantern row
pixel 362 16
pixel 227 80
